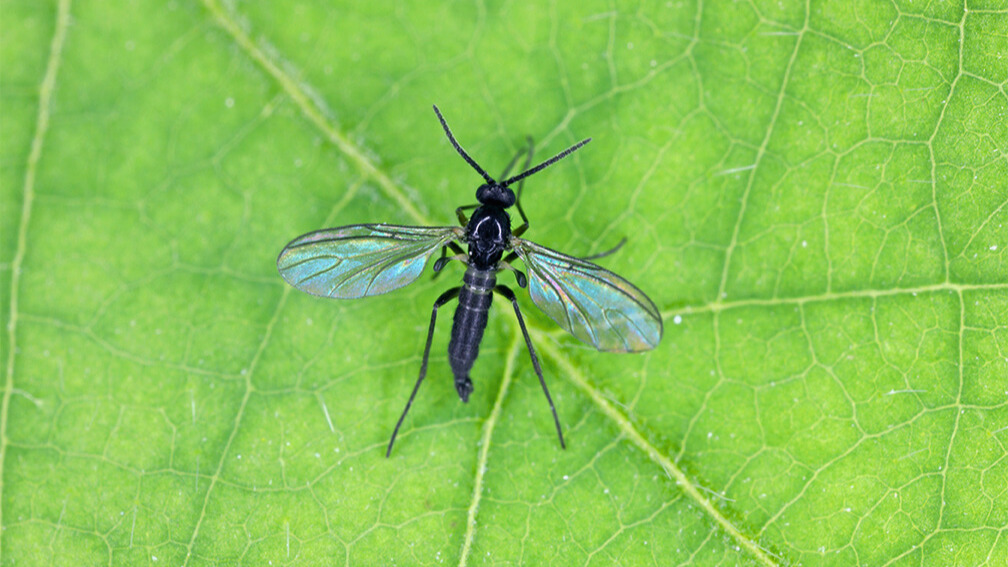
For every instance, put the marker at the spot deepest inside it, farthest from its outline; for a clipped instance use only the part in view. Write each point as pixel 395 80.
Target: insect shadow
pixel 588 301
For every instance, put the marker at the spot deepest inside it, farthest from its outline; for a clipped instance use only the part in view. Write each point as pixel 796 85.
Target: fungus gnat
pixel 588 301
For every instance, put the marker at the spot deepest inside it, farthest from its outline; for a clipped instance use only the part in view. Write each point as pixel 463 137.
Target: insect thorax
pixel 488 233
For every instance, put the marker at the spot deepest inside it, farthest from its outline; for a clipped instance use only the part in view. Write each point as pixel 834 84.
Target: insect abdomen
pixel 470 321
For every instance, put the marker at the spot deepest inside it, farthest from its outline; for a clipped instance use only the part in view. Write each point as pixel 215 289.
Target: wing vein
pixel 360 260
pixel 592 303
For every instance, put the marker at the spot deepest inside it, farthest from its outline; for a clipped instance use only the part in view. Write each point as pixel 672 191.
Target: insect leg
pixel 440 263
pixel 514 160
pixel 607 252
pixel 520 277
pixel 521 185
pixel 445 298
pixel 510 296
pixel 463 220
pixel 545 164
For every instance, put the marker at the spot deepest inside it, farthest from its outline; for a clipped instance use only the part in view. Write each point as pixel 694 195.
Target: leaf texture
pixel 813 195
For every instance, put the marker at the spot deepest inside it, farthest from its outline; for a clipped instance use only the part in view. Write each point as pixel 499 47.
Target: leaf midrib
pixel 28 193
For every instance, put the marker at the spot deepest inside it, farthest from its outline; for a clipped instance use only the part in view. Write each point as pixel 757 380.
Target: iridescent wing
pixel 590 302
pixel 362 259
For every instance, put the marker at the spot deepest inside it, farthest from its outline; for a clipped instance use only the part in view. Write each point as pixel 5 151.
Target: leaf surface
pixel 814 196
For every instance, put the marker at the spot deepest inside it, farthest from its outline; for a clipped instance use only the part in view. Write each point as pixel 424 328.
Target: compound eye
pixel 495 194
pixel 507 197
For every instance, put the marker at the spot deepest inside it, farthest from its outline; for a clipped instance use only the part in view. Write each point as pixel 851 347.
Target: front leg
pixel 459 212
pixel 521 186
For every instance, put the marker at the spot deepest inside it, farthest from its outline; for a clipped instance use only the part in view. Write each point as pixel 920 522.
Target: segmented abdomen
pixel 470 320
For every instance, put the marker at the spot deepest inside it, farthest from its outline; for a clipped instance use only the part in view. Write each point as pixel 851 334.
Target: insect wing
pixel 360 260
pixel 590 302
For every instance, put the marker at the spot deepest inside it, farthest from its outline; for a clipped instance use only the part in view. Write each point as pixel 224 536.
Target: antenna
pixel 546 163
pixel 459 149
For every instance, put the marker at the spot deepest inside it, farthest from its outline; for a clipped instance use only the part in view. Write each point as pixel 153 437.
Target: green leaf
pixel 814 195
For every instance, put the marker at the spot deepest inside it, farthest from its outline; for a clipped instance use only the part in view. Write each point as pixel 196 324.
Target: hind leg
pixel 445 298
pixel 510 296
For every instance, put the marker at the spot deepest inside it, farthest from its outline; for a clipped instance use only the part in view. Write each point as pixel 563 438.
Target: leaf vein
pixel 28 193
pixel 760 152
pixel 305 100
pixel 637 438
